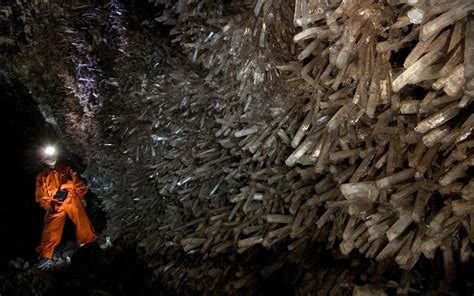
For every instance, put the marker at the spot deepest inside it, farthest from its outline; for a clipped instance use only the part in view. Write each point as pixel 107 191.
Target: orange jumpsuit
pixel 47 183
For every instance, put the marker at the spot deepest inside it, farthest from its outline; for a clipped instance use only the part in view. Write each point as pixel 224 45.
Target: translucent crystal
pixel 401 22
pixel 465 251
pixel 435 26
pixel 304 147
pixel 307 34
pixel 416 15
pixel 398 198
pixel 420 48
pixel 398 227
pixel 415 157
pixel 405 252
pixel 469 49
pixel 395 178
pixel 429 246
pixel 426 161
pixel 386 46
pixel 360 190
pixel 455 82
pixel 392 248
pixel 435 135
pixel 468 191
pixel 420 202
pixel 302 129
pixel 456 172
pixel 248 242
pixel 258 7
pixel 438 118
pixel 246 131
pixel 308 50
pixel 450 67
pixel 282 231
pixel 340 155
pixel 466 129
pixel 427 101
pixel 340 115
pixel 462 207
pixel 436 52
pixel 376 246
pixel 437 222
pixel 324 155
pixel 409 106
pixel 393 154
pixel 362 169
pixel 325 217
pixel 377 230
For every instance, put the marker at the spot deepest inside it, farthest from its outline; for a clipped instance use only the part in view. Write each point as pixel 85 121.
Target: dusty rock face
pixel 237 148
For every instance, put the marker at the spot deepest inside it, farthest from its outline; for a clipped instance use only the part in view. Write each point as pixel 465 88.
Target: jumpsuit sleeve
pixel 79 185
pixel 41 196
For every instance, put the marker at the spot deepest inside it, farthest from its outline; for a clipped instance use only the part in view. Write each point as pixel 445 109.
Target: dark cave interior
pixel 22 125
pixel 93 271
pixel 153 105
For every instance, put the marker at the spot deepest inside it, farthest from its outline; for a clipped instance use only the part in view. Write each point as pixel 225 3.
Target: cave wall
pixel 174 142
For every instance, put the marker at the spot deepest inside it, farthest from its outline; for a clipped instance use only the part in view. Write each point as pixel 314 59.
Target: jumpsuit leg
pixel 85 232
pixel 52 232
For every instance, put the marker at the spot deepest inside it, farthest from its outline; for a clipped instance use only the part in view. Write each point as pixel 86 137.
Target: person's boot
pixel 44 263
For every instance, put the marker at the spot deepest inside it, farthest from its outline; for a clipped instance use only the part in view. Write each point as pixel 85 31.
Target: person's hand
pixel 84 202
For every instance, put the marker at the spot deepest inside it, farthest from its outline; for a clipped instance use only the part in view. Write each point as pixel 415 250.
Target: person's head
pixel 49 155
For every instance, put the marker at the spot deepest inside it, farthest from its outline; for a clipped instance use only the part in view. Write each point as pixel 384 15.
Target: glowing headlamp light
pixel 49 151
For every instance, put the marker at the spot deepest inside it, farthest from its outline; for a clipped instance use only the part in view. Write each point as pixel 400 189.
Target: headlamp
pixel 49 151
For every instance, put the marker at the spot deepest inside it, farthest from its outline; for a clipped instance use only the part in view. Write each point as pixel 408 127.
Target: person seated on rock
pixel 61 193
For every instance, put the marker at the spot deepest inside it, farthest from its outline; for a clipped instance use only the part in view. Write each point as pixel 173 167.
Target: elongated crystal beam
pixel 420 48
pixel 395 178
pixel 275 218
pixel 324 155
pixel 392 247
pixel 468 191
pixel 340 155
pixel 435 136
pixel 436 52
pixel 399 197
pixel 405 252
pixel 455 58
pixel 469 48
pixel 420 202
pixel 308 50
pixel 426 161
pixel 304 147
pixel 307 34
pixel 415 157
pixel 363 167
pixel 360 190
pixel 429 246
pixel 463 207
pixel 435 26
pixel 457 171
pixel 386 46
pixel 302 129
pixel 438 118
pixel 455 82
pixel 398 227
pixel 248 242
pixel 282 231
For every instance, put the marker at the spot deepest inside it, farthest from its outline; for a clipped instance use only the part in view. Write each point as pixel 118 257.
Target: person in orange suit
pixel 61 193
